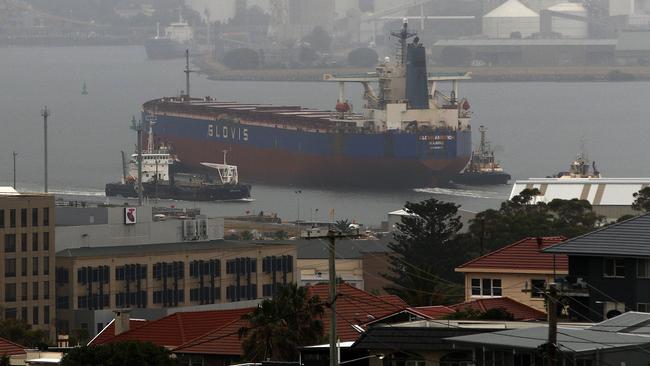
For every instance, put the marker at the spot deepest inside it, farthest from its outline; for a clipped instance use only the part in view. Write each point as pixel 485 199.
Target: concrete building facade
pixel 160 276
pixel 27 255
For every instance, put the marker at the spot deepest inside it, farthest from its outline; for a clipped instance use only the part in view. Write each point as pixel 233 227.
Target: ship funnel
pixel 417 89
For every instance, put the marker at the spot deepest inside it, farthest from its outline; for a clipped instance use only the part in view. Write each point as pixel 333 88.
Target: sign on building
pixel 130 215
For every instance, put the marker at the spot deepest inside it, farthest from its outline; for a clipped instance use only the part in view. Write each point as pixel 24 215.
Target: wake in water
pixel 457 192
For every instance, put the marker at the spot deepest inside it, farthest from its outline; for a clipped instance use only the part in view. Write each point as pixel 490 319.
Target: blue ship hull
pixel 277 155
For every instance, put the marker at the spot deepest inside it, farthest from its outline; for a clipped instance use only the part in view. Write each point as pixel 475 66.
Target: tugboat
pixel 580 168
pixel 482 168
pixel 160 179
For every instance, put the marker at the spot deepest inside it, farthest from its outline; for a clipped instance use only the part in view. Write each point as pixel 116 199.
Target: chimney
pixel 540 242
pixel 122 321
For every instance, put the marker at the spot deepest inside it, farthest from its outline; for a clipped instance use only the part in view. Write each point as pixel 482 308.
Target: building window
pixel 35 266
pixel 537 288
pixel 46 216
pixel 643 268
pixel 10 267
pixel 2 218
pixel 63 302
pixel 23 291
pixel 34 216
pixel 34 290
pixel 614 268
pixel 10 313
pixel 10 243
pixel 23 314
pixel 23 266
pixel 643 307
pixel 35 315
pixel 486 287
pixel 35 242
pixel 10 292
pixel 46 290
pixel 46 241
pixel 46 265
pixel 12 217
pixel 23 217
pixel 46 314
pixel 23 242
pixel 82 302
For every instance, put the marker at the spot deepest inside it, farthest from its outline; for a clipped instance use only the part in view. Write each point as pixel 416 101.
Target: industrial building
pixel 27 239
pixel 610 197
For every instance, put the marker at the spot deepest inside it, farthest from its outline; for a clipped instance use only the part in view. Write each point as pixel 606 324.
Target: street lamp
pixel 298 193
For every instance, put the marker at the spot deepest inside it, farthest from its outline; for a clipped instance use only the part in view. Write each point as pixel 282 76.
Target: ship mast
pixel 187 72
pixel 402 37
pixel 483 146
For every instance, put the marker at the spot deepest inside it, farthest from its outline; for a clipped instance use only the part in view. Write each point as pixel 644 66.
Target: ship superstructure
pixel 172 43
pixel 408 134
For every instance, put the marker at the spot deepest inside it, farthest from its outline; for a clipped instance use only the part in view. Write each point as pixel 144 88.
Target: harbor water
pixel 536 128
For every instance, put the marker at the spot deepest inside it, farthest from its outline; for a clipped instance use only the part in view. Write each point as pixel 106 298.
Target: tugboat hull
pixel 226 192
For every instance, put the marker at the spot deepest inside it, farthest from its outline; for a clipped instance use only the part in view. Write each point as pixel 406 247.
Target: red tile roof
pixel 523 255
pixel 178 328
pixel 518 310
pixel 434 312
pixel 109 330
pixel 223 341
pixel 9 348
pixel 355 307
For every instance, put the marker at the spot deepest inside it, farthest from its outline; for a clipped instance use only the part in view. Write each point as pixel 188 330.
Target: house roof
pixel 178 328
pixel 523 255
pixel 630 322
pixel 519 311
pixel 355 307
pixel 630 238
pixel 10 348
pixel 569 339
pixel 434 312
pixel 411 338
pixel 222 341
pixel 108 331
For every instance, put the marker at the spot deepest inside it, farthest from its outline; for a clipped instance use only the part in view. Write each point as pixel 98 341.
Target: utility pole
pixel 14 154
pixel 137 126
pixel 331 235
pixel 552 324
pixel 45 113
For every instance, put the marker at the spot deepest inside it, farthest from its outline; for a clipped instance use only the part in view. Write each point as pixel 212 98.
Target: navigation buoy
pixel 84 90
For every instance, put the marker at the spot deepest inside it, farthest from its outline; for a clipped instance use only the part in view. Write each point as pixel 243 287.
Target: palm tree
pixel 279 326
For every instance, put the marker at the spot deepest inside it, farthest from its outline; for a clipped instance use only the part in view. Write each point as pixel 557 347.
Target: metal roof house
pixel 609 269
pixel 610 197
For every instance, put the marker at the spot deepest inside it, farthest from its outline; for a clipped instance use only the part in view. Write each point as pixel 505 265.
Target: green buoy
pixel 84 90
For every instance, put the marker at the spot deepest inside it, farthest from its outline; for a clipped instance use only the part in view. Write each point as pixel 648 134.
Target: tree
pixel 241 58
pixel 642 200
pixel 490 314
pixel 363 57
pixel 522 217
pixel 119 354
pixel 279 326
pixel 425 254
pixel 319 39
pixel 307 55
pixel 18 331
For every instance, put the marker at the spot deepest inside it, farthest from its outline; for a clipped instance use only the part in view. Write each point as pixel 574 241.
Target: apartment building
pixel 93 281
pixel 27 255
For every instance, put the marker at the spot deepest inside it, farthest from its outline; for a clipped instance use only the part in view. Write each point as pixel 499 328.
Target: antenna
pixel 402 36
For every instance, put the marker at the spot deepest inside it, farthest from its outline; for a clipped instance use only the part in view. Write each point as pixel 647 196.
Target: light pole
pixel 137 127
pixel 15 153
pixel 298 193
pixel 45 113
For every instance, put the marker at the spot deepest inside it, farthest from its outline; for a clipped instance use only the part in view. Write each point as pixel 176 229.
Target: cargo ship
pixel 162 179
pixel 172 44
pixel 482 168
pixel 410 132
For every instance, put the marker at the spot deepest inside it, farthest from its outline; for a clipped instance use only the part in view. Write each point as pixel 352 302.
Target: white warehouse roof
pixel 568 8
pixel 512 9
pixel 598 191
